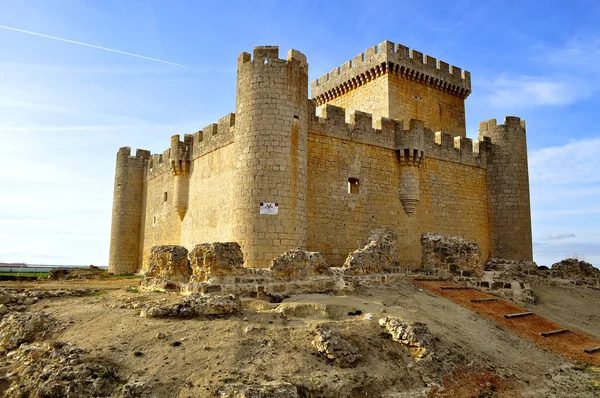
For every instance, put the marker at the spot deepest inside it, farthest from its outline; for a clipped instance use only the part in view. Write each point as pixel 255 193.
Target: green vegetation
pixel 32 274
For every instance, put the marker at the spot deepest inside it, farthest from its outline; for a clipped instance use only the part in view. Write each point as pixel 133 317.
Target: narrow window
pixel 165 197
pixel 154 220
pixel 353 185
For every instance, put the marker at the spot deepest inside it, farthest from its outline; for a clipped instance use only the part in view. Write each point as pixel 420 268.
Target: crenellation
pixel 444 140
pixel 362 121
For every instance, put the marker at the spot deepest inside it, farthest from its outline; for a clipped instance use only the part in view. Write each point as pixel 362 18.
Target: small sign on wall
pixel 269 208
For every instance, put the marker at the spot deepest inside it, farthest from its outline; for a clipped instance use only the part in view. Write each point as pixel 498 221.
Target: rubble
pixel 216 260
pixel 19 299
pixel 169 263
pixel 193 306
pixel 20 328
pixel 61 370
pixel 274 389
pixel 298 263
pixel 451 253
pixel 334 347
pixel 502 264
pixel 573 268
pixel 414 335
pixel 379 254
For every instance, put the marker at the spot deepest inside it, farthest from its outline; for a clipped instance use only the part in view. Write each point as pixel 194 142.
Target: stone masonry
pixel 328 172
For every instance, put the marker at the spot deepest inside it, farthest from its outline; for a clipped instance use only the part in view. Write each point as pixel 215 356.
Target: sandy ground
pixel 259 345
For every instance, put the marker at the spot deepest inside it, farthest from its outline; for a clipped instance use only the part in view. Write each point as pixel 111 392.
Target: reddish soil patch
pixel 474 384
pixel 570 344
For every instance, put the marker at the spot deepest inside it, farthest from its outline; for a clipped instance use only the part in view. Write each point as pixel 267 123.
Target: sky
pixel 81 78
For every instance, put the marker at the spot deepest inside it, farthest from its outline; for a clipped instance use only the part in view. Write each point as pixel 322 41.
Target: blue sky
pixel 66 108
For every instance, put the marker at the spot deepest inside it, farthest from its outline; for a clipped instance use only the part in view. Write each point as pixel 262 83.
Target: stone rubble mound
pixel 414 335
pixel 575 269
pixel 193 306
pixel 331 345
pixel 274 389
pixel 25 327
pixel 216 260
pixel 19 299
pixel 298 263
pixel 452 253
pixel 59 370
pixel 502 264
pixel 379 254
pixel 169 263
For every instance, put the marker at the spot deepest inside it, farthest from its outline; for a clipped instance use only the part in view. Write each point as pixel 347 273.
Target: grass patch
pixel 132 276
pixel 32 274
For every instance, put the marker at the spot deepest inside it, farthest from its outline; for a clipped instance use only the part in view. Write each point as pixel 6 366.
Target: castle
pixel 382 142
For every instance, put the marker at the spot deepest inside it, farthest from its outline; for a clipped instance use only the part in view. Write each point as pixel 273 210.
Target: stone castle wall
pixel 335 176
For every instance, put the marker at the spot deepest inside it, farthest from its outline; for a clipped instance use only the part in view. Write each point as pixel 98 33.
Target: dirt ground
pixel 475 356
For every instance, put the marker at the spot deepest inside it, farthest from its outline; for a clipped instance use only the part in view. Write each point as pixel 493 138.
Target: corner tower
pixel 271 138
pixel 127 211
pixel 508 187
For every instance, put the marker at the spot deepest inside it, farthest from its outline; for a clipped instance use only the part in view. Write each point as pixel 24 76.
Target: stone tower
pixel 508 187
pixel 127 211
pixel 271 133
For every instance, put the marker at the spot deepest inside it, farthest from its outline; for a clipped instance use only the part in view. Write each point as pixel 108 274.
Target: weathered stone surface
pixel 298 263
pixel 195 305
pixel 216 260
pixel 501 264
pixel 574 269
pixel 334 347
pixel 3 309
pixel 58 273
pixel 414 335
pixel 169 262
pixel 19 328
pixel 452 253
pixel 60 370
pixel 276 389
pixel 377 255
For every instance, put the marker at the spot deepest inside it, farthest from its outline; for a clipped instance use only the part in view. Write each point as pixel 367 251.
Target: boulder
pixel 24 327
pixel 573 268
pixel 169 262
pixel 329 344
pixel 216 260
pixel 193 306
pixel 379 254
pixel 298 263
pixel 452 253
pixel 413 335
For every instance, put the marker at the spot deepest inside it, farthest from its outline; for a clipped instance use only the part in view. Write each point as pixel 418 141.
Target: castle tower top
pixel 389 80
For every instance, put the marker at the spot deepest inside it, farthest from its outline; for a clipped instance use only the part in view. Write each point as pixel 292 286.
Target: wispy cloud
pixel 559 236
pixel 90 45
pixel 527 91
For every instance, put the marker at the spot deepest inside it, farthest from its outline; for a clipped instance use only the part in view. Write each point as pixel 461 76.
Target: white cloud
pixel 559 236
pixel 535 91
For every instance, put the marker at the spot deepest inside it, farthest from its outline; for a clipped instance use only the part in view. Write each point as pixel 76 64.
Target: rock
pixel 502 264
pixel 3 309
pixel 298 263
pixel 573 268
pixel 334 347
pixel 452 253
pixel 379 254
pixel 216 260
pixel 170 263
pixel 58 273
pixel 60 370
pixel 195 305
pixel 276 389
pixel 19 328
pixel 136 390
pixel 414 335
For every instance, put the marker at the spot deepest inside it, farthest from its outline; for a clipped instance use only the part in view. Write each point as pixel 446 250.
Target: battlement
pixel 267 55
pixel 390 134
pixel 512 128
pixel 388 57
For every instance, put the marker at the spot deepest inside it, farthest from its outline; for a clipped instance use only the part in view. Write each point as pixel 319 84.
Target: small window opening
pixel 296 117
pixel 266 61
pixel 353 185
pixel 165 196
pixel 154 220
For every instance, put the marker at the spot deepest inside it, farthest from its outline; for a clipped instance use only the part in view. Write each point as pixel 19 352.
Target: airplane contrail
pixel 90 45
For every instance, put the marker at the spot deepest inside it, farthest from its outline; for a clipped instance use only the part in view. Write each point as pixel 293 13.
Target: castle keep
pixel 382 143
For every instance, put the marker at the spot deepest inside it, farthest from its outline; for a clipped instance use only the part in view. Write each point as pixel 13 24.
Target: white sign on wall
pixel 269 208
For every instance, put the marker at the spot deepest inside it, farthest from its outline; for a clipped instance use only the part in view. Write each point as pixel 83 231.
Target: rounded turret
pixel 127 212
pixel 508 187
pixel 271 138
